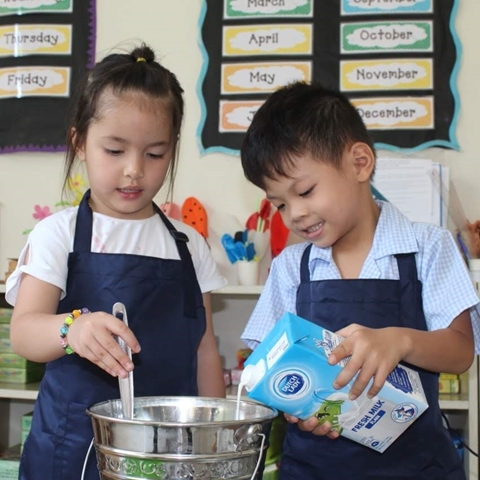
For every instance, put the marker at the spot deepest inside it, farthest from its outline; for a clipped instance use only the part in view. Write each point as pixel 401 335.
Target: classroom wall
pixel 171 28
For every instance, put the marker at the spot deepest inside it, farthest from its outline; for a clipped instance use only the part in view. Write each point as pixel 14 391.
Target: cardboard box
pixel 5 315
pixel 289 371
pixel 26 422
pixel 5 345
pixel 12 360
pixel 449 376
pixel 23 437
pixel 448 386
pixel 5 318
pixel 10 463
pixel 4 330
pixel 22 375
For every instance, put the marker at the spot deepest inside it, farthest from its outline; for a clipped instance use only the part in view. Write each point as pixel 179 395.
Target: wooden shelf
pixel 239 290
pixel 19 391
pixel 29 391
pixel 451 401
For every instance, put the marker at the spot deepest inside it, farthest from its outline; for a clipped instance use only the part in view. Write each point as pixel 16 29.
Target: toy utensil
pixel 229 246
pixel 250 251
pixel 240 251
pixel 195 215
pixel 253 221
pixel 261 240
pixel 239 237
pixel 259 220
pixel 278 234
pixel 125 384
pixel 264 213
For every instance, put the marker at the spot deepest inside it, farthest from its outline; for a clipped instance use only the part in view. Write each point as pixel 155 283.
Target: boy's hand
pixel 92 336
pixel 374 353
pixel 312 425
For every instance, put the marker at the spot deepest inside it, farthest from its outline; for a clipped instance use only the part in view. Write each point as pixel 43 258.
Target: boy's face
pixel 321 203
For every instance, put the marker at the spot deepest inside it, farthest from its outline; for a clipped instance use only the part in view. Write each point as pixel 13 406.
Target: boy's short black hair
pixel 300 119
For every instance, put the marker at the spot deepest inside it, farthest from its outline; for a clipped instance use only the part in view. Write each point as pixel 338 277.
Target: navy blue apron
pixel 425 450
pixel 166 313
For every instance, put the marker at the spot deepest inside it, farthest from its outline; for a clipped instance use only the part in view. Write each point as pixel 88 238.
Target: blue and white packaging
pixel 289 371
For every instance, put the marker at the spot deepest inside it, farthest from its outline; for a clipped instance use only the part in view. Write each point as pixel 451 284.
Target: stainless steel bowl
pixel 181 438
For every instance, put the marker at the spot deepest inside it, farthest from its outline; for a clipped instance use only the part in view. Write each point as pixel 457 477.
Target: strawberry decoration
pixel 278 234
pixel 259 220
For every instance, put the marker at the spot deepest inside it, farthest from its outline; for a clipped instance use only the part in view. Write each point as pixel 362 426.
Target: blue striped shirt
pixel 447 289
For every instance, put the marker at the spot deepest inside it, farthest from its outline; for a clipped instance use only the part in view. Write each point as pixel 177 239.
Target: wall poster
pixel 396 60
pixel 45 48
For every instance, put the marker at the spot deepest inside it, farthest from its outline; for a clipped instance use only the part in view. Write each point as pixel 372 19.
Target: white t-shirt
pixel 51 241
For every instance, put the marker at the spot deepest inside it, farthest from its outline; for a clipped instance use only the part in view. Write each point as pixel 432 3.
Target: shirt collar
pixel 394 235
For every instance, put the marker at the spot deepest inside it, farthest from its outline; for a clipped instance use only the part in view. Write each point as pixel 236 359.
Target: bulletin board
pixel 45 48
pixel 396 60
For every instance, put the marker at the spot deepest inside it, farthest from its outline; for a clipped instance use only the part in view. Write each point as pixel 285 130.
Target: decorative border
pixel 453 143
pixel 203 106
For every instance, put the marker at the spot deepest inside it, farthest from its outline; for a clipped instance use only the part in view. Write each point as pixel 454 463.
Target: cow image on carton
pixel 289 371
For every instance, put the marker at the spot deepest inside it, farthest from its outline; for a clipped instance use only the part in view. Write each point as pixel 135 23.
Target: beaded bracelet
pixel 66 325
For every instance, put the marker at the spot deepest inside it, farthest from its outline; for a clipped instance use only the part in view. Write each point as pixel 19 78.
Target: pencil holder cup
pixel 261 241
pixel 248 272
pixel 474 267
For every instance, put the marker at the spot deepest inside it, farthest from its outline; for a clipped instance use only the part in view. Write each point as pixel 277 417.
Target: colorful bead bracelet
pixel 66 325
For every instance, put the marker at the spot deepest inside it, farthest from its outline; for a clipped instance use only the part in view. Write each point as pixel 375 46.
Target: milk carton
pixel 289 371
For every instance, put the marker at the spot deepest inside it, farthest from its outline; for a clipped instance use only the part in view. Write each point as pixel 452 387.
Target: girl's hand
pixel 312 425
pixel 374 353
pixel 92 337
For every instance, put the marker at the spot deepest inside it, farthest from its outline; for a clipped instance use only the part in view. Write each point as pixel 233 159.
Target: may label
pixel 239 78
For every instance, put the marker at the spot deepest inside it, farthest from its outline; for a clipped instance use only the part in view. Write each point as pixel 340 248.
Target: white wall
pixel 171 28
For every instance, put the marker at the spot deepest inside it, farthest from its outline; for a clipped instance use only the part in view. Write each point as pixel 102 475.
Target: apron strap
pixel 189 284
pixel 83 240
pixel 304 269
pixel 410 288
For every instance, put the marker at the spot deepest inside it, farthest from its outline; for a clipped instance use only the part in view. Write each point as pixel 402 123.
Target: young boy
pixel 398 291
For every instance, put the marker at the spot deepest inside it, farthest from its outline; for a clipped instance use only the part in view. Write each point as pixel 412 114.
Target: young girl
pixel 117 246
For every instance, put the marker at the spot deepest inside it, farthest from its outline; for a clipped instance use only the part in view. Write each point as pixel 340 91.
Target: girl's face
pixel 127 152
pixel 320 203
